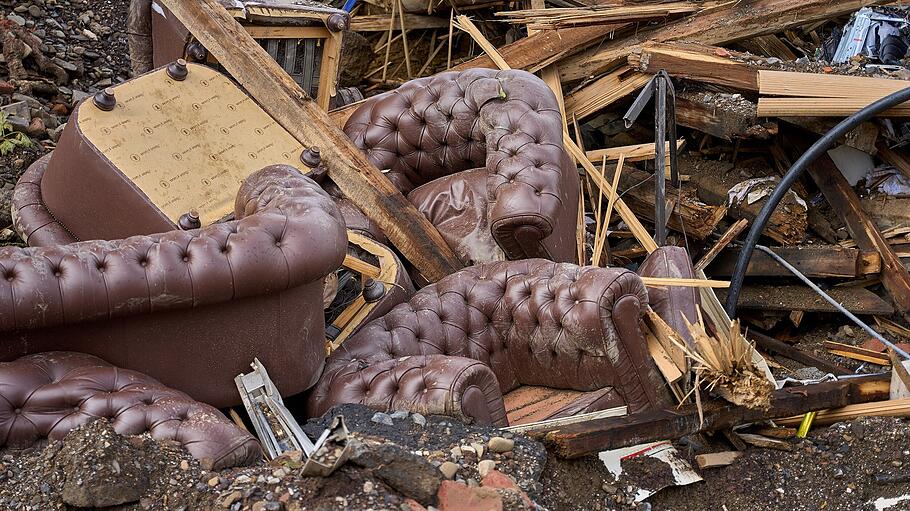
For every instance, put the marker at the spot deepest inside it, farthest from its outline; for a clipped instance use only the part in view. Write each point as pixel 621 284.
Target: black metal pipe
pixel 818 148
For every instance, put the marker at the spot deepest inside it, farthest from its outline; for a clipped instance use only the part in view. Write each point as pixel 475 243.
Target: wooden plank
pixel 814 261
pixel 662 359
pixel 717 459
pixel 545 47
pixel 539 19
pixel 283 99
pixel 631 153
pixel 577 440
pixel 381 22
pixel 892 408
pixel 856 353
pixel 765 442
pixel 820 85
pixel 825 107
pixel 898 367
pixel 846 204
pixel 727 23
pixel 857 300
pixel 724 240
pixel 604 92
pixel 700 63
pixel 772 345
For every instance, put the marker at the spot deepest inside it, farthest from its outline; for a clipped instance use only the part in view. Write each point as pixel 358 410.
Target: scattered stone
pixel 418 419
pixel 449 469
pixel 382 418
pixel 485 466
pixel 499 444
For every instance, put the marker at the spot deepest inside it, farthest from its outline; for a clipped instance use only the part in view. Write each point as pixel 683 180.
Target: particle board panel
pixel 193 157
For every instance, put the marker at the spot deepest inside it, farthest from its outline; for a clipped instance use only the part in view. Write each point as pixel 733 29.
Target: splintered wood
pixel 724 366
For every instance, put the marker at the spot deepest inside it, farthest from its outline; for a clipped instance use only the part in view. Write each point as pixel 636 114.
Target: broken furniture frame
pixel 305 41
pixel 385 276
pixel 660 87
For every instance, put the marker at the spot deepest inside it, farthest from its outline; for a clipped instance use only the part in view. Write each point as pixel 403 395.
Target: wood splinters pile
pixel 724 365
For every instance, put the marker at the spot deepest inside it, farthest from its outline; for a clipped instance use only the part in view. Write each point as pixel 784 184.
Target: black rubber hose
pixel 817 149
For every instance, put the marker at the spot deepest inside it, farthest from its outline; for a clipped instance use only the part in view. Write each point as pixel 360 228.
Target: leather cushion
pixel 457 206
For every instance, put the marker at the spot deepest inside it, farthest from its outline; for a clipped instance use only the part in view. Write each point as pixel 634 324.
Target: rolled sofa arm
pixel 431 385
pixel 288 232
pixel 532 181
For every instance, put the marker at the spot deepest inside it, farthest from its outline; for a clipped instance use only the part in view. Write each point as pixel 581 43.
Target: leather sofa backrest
pixel 531 321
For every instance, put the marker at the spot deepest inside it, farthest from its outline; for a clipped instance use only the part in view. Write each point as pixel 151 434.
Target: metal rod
pixel 660 176
pixel 834 303
pixel 817 149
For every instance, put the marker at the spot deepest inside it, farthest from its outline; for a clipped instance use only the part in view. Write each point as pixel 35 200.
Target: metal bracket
pixel 660 87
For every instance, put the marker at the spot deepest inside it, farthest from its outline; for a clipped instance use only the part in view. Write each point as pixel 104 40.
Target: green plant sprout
pixel 10 139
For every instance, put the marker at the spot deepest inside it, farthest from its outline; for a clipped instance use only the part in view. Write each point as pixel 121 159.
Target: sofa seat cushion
pixel 457 206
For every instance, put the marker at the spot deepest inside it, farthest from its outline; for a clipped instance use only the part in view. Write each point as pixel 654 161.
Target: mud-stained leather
pixel 672 303
pixel 189 308
pixel 31 219
pixel 507 122
pixel 532 322
pixel 457 206
pixel 46 395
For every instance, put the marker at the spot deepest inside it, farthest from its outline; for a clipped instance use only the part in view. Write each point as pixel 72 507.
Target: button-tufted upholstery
pixel 466 340
pixel 430 134
pixel 189 308
pixel 48 394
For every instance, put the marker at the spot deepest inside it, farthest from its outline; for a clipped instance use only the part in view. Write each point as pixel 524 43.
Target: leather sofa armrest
pixel 672 303
pixel 528 167
pixel 288 233
pixel 431 385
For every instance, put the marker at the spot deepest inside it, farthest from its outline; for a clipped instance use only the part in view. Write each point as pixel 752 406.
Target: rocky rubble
pixel 398 466
pixel 55 54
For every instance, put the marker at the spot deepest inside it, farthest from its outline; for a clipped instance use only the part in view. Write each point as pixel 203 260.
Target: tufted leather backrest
pixel 48 394
pixel 506 121
pixel 534 322
pixel 288 232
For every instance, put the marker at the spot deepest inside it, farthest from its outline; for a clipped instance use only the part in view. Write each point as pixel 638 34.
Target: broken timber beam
pixel 819 261
pixel 727 23
pixel 857 300
pixel 685 213
pixel 538 51
pixel 725 116
pixel 590 437
pixel 280 96
pixel 604 92
pixel 700 63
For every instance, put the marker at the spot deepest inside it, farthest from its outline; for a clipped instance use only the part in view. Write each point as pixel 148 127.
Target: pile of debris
pixel 400 461
pixel 815 329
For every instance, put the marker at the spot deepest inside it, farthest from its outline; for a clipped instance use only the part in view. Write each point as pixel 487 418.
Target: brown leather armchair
pixel 189 308
pixel 480 153
pixel 478 339
pixel 46 395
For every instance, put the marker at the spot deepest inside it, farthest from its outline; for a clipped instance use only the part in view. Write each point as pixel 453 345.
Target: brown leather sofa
pixel 48 394
pixel 189 308
pixel 469 343
pixel 480 153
